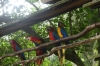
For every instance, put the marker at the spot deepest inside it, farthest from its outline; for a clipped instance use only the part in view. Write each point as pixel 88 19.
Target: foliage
pixel 80 18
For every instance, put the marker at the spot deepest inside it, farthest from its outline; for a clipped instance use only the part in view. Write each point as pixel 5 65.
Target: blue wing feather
pixel 22 56
pixel 36 43
pixel 64 33
pixel 56 37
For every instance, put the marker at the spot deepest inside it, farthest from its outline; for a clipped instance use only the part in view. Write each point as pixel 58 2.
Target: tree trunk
pixel 72 56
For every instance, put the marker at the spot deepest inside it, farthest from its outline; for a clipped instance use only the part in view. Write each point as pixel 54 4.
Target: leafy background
pixel 80 18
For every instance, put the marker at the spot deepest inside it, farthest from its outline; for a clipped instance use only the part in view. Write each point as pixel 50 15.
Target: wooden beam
pixel 95 5
pixel 5 19
pixel 42 15
pixel 49 1
pixel 30 31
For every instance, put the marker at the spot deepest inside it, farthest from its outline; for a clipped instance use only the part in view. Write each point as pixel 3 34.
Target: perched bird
pixel 37 42
pixel 17 47
pixel 53 35
pixel 62 34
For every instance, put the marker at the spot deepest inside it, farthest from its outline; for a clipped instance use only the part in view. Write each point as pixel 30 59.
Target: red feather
pixel 39 61
pixel 35 39
pixel 39 51
pixel 51 35
pixel 14 44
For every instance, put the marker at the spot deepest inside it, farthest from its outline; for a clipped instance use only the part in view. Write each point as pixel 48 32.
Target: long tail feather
pixel 61 63
pixel 60 58
pixel 39 62
pixel 59 53
pixel 63 56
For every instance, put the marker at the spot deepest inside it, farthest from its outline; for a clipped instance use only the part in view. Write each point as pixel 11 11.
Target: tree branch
pixel 58 48
pixel 33 4
pixel 94 56
pixel 84 32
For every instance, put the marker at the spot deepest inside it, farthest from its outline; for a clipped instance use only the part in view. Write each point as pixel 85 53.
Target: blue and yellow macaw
pixel 53 35
pixel 37 42
pixel 62 34
pixel 17 47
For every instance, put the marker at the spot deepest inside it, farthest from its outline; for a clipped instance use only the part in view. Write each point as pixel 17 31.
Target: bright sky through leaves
pixel 13 4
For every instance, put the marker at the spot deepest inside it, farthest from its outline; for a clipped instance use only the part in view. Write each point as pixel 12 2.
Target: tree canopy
pixel 75 22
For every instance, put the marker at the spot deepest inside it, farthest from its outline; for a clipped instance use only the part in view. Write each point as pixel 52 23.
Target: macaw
pixel 37 42
pixel 62 33
pixel 53 35
pixel 17 47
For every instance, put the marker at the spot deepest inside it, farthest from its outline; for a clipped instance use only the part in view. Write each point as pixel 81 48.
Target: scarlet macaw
pixel 53 35
pixel 37 42
pixel 62 33
pixel 17 47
